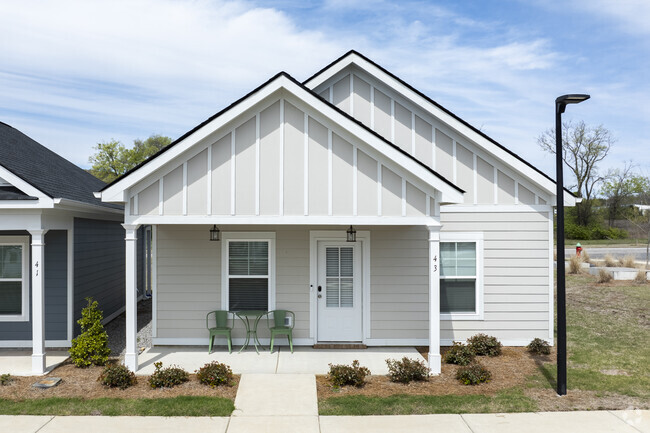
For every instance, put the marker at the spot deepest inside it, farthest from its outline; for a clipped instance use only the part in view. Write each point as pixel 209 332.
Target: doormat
pixel 47 383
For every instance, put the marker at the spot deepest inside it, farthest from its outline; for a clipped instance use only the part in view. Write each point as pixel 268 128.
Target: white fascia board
pixel 449 193
pixel 118 191
pixel 67 204
pixel 223 220
pixel 43 200
pixel 508 159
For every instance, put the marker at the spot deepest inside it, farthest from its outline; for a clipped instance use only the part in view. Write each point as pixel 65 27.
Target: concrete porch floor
pixel 304 360
pixel 18 362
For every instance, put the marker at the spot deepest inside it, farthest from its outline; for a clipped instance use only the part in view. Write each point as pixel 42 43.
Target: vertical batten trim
pixel 351 94
pixel 185 188
pixel 403 197
pixel 475 175
pixel 281 192
pixel 516 192
pixel 355 187
pixel 372 107
pixel 379 188
pixel 161 195
pixel 232 171
pixel 412 133
pixel 453 160
pixel 496 186
pixel 330 179
pixel 433 147
pixel 536 199
pixel 427 205
pixel 331 93
pixel 392 120
pixel 136 204
pixel 208 177
pixel 306 163
pixel 257 163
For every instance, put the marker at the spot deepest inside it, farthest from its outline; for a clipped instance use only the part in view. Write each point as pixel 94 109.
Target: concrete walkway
pixel 631 421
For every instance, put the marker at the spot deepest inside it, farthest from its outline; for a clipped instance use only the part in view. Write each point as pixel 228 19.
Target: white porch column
pixel 38 301
pixel 434 300
pixel 131 355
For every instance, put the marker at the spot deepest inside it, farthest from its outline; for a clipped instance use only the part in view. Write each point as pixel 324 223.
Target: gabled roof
pixel 287 82
pixel 44 170
pixel 505 154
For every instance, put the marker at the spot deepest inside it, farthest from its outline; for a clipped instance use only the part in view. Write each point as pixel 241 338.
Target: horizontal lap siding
pixel 516 274
pixel 189 279
pixel 399 283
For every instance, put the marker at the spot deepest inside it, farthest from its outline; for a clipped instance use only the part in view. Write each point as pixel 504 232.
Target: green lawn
pixel 177 406
pixel 508 401
pixel 608 330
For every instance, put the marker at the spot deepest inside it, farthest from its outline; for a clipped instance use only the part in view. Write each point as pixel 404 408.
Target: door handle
pixel 320 289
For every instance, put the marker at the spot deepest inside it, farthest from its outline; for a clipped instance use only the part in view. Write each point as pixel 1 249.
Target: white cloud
pixel 632 16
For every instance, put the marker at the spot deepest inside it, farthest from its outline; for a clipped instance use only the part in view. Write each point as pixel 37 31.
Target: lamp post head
pixel 562 101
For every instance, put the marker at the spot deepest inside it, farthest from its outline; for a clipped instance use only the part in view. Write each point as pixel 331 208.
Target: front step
pixel 340 346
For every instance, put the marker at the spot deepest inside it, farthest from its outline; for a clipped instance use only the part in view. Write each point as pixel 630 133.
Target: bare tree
pixel 584 148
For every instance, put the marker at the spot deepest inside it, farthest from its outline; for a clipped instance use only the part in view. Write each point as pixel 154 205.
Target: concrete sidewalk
pixel 629 421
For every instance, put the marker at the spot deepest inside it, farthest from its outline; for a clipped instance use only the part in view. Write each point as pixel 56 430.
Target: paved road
pixel 599 253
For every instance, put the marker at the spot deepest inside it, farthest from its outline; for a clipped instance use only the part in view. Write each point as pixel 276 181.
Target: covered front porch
pixel 304 360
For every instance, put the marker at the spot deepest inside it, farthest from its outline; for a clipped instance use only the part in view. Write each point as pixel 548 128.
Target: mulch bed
pixel 508 370
pixel 82 383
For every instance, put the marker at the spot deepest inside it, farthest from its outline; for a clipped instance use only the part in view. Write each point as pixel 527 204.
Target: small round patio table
pixel 251 318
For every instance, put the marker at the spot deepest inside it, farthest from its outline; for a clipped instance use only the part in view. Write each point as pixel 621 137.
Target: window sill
pixel 461 316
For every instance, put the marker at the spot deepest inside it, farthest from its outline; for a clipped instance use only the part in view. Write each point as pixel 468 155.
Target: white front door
pixel 339 291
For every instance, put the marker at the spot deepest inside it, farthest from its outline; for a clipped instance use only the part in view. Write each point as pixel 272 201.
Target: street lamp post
pixel 560 104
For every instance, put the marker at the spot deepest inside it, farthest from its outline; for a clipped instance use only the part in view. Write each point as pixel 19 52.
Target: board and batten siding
pixel 282 160
pixel 189 279
pixel 431 141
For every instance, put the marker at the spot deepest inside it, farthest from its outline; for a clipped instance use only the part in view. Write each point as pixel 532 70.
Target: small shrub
pixel 473 374
pixel 641 277
pixel 483 345
pixel 214 374
pixel 575 231
pixel 407 370
pixel 91 346
pixel 459 354
pixel 575 265
pixel 628 262
pixel 117 376
pixel 539 347
pixel 604 276
pixel 167 377
pixel 610 262
pixel 342 374
pixel 5 379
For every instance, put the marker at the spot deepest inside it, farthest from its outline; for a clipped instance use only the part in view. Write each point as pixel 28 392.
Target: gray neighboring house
pixel 58 245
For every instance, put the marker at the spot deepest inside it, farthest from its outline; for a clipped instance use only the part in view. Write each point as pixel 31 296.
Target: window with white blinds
pixel 14 284
pixel 248 275
pixel 458 277
pixel 339 276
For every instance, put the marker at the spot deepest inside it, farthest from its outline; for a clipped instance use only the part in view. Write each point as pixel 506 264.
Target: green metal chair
pixel 279 327
pixel 224 322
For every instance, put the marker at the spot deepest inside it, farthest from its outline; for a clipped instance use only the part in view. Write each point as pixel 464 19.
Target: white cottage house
pixel 453 231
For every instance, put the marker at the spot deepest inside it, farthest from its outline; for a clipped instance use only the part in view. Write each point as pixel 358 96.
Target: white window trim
pixel 476 237
pixel 24 242
pixel 227 237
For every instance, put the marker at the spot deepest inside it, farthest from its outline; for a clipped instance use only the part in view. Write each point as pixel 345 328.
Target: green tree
pixel 620 186
pixel 584 147
pixel 91 346
pixel 112 159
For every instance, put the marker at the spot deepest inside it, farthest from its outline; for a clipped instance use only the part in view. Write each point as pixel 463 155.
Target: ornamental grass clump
pixel 641 277
pixel 342 374
pixel 604 276
pixel 539 347
pixel 473 374
pixel 117 376
pixel 215 374
pixel 407 370
pixel 91 346
pixel 484 345
pixel 459 354
pixel 167 377
pixel 575 265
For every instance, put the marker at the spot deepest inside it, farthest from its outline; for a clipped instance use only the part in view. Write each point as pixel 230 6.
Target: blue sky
pixel 74 73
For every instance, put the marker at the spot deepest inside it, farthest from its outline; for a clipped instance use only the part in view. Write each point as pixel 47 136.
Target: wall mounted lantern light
pixel 352 234
pixel 214 233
